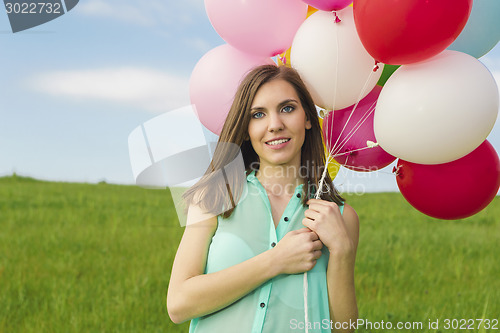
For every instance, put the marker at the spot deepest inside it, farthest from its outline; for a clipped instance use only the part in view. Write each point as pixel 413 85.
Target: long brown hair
pixel 235 131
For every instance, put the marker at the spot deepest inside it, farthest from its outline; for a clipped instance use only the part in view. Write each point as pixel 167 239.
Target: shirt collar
pixel 254 180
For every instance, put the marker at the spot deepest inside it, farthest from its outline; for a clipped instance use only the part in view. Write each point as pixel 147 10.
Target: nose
pixel 275 122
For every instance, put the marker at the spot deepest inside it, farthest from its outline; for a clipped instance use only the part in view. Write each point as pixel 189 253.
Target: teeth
pixel 277 142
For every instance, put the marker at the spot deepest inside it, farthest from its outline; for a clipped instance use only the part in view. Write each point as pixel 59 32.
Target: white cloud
pixel 147 89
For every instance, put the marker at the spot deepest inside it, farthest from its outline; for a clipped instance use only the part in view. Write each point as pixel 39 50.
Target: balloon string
pixel 355 128
pixel 351 151
pixel 331 155
pixel 353 131
pixel 329 128
pixel 306 310
pixel 322 180
pixel 360 122
pixel 362 93
pixel 367 169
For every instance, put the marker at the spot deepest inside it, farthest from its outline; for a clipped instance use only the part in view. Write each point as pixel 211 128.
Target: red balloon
pixel 405 31
pixel 453 190
pixel 358 130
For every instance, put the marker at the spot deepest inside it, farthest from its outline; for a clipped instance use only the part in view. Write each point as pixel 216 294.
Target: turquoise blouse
pixel 278 304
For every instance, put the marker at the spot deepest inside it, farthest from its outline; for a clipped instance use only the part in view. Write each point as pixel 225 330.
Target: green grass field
pixel 97 258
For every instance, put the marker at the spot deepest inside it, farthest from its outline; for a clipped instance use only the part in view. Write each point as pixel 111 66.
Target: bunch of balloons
pixel 396 79
pixel 436 110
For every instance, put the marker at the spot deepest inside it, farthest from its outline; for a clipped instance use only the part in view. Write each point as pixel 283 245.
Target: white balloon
pixel 332 61
pixel 437 110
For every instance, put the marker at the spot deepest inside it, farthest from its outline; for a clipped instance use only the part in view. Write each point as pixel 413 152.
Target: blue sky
pixel 73 89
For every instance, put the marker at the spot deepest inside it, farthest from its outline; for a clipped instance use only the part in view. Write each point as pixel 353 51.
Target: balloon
pixel 214 82
pixel 310 11
pixel 482 31
pixel 260 27
pixel 438 110
pixel 346 135
pixel 386 73
pixel 284 58
pixel 332 61
pixel 453 190
pixel 403 32
pixel 332 165
pixel 328 5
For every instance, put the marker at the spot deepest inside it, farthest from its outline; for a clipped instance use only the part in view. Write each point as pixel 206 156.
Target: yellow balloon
pixel 310 11
pixel 332 166
pixel 285 56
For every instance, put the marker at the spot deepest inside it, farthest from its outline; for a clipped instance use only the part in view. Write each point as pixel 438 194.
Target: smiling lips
pixel 277 143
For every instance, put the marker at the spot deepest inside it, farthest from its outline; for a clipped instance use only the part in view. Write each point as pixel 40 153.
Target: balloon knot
pixel 396 170
pixel 337 19
pixel 282 59
pixel 350 152
pixel 376 67
pixel 324 113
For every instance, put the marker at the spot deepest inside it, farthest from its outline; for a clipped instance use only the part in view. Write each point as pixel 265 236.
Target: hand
pixel 298 251
pixel 324 218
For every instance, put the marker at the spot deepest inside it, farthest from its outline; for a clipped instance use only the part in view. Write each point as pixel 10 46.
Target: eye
pixel 288 108
pixel 257 115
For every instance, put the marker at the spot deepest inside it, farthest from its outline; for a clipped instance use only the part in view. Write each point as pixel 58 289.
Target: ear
pixel 308 124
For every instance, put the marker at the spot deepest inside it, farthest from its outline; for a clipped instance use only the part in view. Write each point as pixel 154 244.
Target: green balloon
pixel 388 70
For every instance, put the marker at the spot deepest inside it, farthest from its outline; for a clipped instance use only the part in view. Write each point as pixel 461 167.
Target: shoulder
pixel 351 220
pixel 350 214
pixel 196 216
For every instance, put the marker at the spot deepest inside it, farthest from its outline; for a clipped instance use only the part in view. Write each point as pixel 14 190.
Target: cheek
pixel 255 131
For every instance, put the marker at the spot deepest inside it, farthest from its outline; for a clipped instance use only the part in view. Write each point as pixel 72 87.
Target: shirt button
pixel 286 219
pixel 262 305
pixel 298 195
pixel 273 244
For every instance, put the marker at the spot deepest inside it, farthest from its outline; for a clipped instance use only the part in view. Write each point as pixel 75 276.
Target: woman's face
pixel 278 124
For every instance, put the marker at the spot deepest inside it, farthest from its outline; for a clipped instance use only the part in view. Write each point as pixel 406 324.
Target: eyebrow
pixel 286 101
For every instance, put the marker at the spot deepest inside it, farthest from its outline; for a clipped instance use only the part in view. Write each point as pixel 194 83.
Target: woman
pixel 238 271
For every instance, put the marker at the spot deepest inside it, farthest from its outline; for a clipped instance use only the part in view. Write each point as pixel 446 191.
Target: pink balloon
pixel 453 190
pixel 358 131
pixel 328 5
pixel 260 27
pixel 214 81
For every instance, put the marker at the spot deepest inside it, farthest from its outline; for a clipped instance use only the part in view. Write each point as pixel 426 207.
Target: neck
pixel 280 179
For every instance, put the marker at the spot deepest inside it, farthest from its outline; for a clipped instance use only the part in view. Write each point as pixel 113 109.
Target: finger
pixel 312 265
pixel 303 230
pixel 317 254
pixel 321 203
pixel 313 236
pixel 317 245
pixel 312 214
pixel 325 208
pixel 310 224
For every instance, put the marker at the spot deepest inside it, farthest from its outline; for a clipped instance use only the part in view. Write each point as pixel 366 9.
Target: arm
pixel 340 234
pixel 191 293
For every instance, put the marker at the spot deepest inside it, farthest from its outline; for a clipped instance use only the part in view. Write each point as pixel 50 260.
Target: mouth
pixel 276 142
